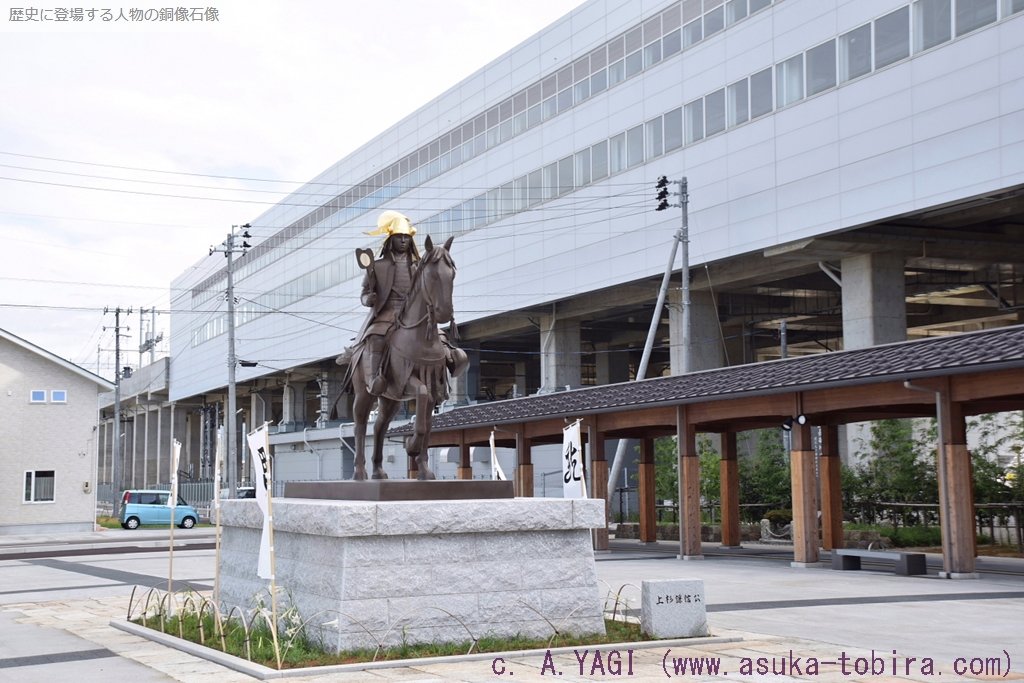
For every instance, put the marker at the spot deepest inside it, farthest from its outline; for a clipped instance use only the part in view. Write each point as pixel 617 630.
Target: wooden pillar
pixel 598 479
pixel 646 494
pixel 689 488
pixel 465 464
pixel 523 482
pixel 831 490
pixel 805 498
pixel 956 507
pixel 730 492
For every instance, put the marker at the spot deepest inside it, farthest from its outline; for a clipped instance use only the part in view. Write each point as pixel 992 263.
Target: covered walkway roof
pixel 984 371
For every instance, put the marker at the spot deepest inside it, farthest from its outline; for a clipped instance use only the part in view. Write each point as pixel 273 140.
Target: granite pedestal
pixel 363 573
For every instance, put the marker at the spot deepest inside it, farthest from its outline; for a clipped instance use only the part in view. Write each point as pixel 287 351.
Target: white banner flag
pixel 573 485
pixel 259 446
pixel 497 474
pixel 172 498
pixel 218 467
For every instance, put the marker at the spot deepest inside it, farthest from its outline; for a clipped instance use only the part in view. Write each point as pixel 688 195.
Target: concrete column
pixel 705 341
pixel 729 481
pixel 647 496
pixel 520 382
pixel 805 498
pixel 874 300
pixel 612 366
pixel 466 386
pixel 559 353
pixel 689 489
pixel 289 397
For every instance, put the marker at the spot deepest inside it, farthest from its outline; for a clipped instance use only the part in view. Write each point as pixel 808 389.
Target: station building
pixel 854 173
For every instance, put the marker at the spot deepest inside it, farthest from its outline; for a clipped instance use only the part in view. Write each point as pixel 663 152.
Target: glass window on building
pixel 37 396
pixel 39 486
pixel 714 112
pixel 758 5
pixel 616 73
pixel 738 103
pixel 855 53
pixel 583 167
pixel 617 153
pixel 973 14
pixel 714 21
pixel 693 113
pixel 550 181
pixel 654 138
pixel 761 101
pixel 635 146
pixel 535 187
pixel 692 33
pixel 599 82
pixel 789 81
pixel 673 128
pixel 599 160
pixel 652 54
pixel 566 182
pixel 734 11
pixel 1013 6
pixel 892 37
pixel 821 67
pixel 634 63
pixel 671 43
pixel 691 10
pixel 932 23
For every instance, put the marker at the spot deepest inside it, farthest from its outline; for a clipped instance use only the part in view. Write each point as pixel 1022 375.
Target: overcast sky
pixel 128 149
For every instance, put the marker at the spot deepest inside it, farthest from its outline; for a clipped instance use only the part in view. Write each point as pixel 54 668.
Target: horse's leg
pixel 385 412
pixel 361 406
pixel 416 445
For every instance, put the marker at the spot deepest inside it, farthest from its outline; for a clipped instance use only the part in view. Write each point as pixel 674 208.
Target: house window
pixel 39 486
pixel 58 396
pixel 37 396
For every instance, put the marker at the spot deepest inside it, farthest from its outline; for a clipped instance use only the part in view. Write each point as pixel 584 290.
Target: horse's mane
pixel 437 253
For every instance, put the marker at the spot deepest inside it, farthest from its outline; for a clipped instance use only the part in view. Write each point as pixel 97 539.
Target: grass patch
pixel 298 651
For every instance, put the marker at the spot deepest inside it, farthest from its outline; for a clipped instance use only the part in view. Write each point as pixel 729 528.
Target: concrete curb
pixel 264 673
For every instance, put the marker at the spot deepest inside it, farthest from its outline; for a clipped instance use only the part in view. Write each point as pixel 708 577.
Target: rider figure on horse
pixel 386 285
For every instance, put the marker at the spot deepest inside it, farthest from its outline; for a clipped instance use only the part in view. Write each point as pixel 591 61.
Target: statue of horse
pixel 415 365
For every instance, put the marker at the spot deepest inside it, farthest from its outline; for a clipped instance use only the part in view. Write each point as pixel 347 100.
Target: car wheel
pixel 188 523
pixel 131 523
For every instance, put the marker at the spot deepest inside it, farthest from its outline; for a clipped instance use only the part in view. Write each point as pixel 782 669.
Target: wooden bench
pixel 905 563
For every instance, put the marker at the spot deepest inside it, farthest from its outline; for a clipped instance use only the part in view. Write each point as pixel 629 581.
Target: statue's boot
pixel 379 383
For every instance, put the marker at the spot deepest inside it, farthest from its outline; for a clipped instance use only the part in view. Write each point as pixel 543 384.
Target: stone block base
pixel 361 574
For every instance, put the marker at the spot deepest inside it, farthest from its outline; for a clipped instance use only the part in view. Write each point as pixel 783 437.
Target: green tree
pixel 765 477
pixel 896 469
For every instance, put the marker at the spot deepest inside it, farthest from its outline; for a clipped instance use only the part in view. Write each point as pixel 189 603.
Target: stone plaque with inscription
pixel 673 608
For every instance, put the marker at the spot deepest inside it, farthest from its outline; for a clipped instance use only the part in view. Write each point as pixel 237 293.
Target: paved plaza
pixel 768 620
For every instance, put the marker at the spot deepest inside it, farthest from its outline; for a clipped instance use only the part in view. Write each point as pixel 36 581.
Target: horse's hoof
pixel 425 476
pixel 359 475
pixel 380 474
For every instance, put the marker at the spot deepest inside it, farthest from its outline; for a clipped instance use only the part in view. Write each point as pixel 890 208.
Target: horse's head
pixel 437 270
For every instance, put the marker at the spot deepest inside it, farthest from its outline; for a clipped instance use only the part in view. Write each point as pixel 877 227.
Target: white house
pixel 48 455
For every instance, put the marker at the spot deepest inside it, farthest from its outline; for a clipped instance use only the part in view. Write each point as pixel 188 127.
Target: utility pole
pixel 117 467
pixel 682 237
pixel 230 249
pixel 151 338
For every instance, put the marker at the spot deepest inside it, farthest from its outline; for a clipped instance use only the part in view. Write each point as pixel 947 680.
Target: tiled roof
pixel 935 356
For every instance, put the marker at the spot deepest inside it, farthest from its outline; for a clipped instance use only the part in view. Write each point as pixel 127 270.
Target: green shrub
pixel 915 536
pixel 779 517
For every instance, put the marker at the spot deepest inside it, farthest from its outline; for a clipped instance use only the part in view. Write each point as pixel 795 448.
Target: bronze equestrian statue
pixel 400 354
